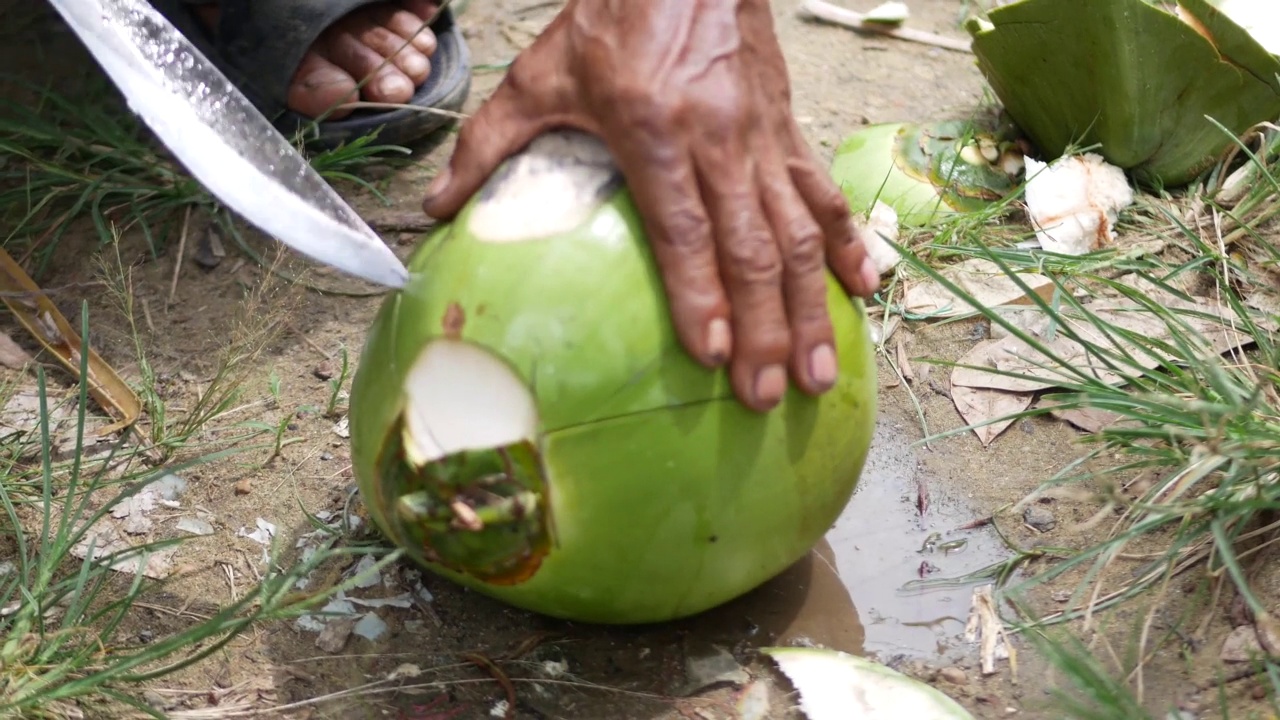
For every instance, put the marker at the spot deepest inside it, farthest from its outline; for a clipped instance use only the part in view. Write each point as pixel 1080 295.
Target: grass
pixel 1188 475
pixel 1191 471
pixel 77 161
pixel 61 617
pixel 84 158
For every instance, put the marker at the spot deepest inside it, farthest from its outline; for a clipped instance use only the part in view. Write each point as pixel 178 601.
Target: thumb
pixel 502 126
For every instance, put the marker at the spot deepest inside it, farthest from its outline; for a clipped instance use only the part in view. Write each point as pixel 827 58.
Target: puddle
pixel 848 593
pixel 876 547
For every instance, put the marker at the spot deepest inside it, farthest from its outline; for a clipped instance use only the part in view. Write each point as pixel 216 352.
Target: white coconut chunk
pixel 549 188
pixel 1259 18
pixel 889 13
pixel 459 397
pixel 880 225
pixel 1074 202
pixel 837 686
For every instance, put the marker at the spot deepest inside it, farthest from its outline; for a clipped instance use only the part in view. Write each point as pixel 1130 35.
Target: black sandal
pixel 259 44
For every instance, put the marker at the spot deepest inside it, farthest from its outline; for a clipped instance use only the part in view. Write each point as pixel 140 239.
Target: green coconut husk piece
pixel 926 171
pixel 1130 77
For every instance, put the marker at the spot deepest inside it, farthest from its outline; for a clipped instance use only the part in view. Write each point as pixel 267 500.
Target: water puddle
pixel 854 592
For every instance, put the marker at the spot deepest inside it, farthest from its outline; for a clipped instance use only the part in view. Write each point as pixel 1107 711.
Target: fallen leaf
pixel 982 280
pixel 980 405
pixel 985 628
pixel 904 363
pixel 42 318
pixel 1038 372
pixel 1091 420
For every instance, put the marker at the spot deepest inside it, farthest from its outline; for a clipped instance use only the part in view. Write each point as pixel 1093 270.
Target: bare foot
pixel 358 46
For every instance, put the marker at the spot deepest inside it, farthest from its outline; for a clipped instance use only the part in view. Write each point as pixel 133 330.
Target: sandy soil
pixel 847 595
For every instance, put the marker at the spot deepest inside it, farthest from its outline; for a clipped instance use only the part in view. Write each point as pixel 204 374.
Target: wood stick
pixel 836 15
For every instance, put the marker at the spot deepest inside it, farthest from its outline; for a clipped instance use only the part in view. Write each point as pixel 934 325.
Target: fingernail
pixel 771 383
pixel 719 342
pixel 870 278
pixel 822 365
pixel 438 185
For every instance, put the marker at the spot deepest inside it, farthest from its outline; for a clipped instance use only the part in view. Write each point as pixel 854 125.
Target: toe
pixel 388 44
pixel 318 86
pixel 407 25
pixel 384 82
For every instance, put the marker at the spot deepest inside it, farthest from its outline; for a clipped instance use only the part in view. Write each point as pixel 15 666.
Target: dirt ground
pixel 847 595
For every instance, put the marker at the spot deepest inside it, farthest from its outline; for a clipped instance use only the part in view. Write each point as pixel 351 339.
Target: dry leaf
pixel 985 628
pixel 1012 355
pixel 1092 420
pixel 46 323
pixel 977 405
pixel 904 363
pixel 982 280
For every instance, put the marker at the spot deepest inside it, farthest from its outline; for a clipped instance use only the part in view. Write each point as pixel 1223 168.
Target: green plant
pixel 59 616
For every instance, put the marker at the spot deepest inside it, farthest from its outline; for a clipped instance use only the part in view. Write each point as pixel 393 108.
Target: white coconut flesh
pixel 550 188
pixel 459 398
pixel 838 686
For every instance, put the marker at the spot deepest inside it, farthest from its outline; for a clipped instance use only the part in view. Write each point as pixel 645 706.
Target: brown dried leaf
pixel 982 280
pixel 1011 354
pixel 46 323
pixel 1092 420
pixel 977 405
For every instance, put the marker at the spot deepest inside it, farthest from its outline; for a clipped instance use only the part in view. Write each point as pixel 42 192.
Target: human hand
pixel 693 100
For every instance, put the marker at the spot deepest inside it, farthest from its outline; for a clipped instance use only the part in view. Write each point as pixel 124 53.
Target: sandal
pixel 259 44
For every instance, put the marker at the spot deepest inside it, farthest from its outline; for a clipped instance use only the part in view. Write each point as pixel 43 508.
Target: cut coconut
pixel 881 229
pixel 458 397
pixel 837 686
pixel 1075 201
pixel 551 188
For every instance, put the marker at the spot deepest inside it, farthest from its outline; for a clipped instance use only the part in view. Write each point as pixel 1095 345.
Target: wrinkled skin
pixel 693 99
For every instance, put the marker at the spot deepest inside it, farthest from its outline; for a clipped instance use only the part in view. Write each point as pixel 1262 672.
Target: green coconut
pixel 1132 78
pixel 929 170
pixel 525 422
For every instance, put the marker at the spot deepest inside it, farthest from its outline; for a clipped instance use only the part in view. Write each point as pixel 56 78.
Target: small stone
pixel 209 250
pixel 333 638
pixel 195 526
pixel 326 456
pixel 406 238
pixel 1039 518
pixel 244 487
pixel 370 627
pixel 155 700
pixel 953 675
pixel 712 666
pixel 1259 692
pixel 1061 596
pixel 325 370
pixel 1241 646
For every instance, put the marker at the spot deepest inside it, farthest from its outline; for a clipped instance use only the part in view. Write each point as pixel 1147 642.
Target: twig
pixel 836 15
pixel 401 222
pixel 182 250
